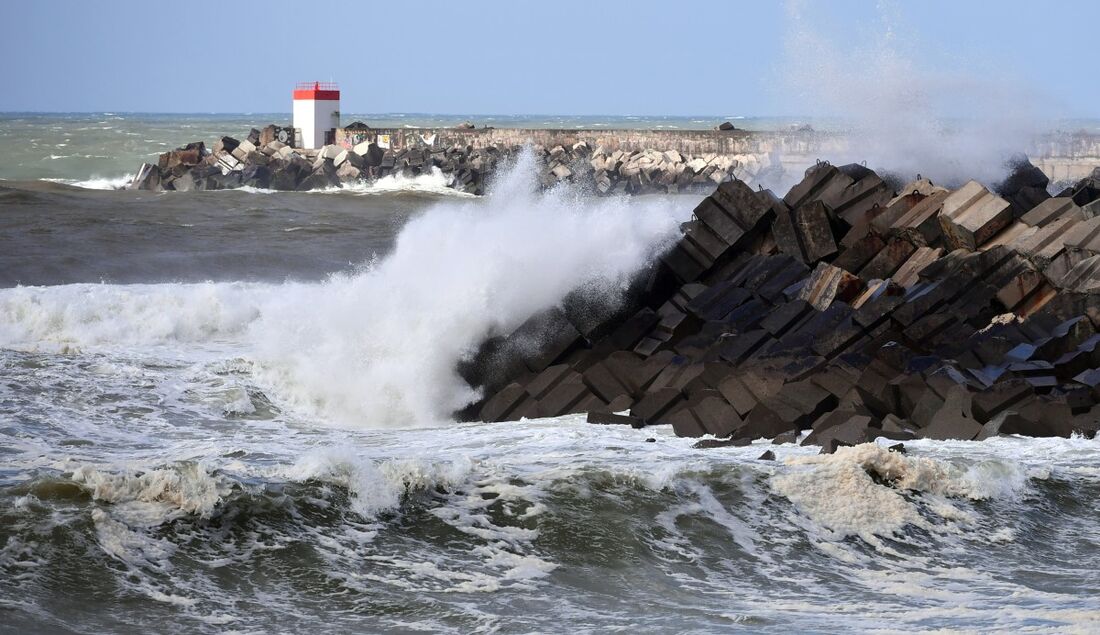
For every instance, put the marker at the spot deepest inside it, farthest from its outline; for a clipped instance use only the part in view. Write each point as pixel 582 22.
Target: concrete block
pixel 732 211
pixel 273 147
pixel 1046 243
pixel 887 261
pixel 907 274
pixel 828 284
pixel 564 398
pixel 546 380
pixel 655 404
pixel 1084 277
pixel 330 152
pixel 953 419
pixel 764 422
pixel 717 416
pixel 503 403
pixel 812 224
pixel 604 384
pixel 860 252
pixel 347 156
pixel 610 418
pixel 147 178
pixel 816 179
pixel 348 173
pixel 972 215
pixel 738 395
pixel 1049 210
pixel 685 424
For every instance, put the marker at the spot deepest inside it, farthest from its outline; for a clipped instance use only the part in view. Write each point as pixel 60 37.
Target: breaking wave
pixel 500 511
pixel 432 182
pixel 378 347
pixel 96 182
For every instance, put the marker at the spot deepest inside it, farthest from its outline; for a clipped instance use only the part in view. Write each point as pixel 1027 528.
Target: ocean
pixel 229 412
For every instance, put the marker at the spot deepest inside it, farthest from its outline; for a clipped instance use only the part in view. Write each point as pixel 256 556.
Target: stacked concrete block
pixel 972 215
pixel 650 170
pixel 936 324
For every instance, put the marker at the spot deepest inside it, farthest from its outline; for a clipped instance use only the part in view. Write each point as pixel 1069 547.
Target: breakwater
pixel 844 308
pixel 607 161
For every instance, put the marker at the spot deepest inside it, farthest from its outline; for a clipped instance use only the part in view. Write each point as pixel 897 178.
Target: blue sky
pixel 561 57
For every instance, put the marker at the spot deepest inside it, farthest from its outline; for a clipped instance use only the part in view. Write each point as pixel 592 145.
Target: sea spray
pixel 380 347
pixel 946 123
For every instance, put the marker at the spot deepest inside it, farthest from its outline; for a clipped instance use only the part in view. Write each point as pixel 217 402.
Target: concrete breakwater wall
pixel 631 166
pixel 1061 156
pixel 794 150
pixel 608 161
pixel 848 309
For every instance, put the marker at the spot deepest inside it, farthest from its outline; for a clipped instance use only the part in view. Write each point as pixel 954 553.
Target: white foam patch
pixel 837 490
pixel 374 487
pixel 97 182
pixel 432 182
pixel 155 496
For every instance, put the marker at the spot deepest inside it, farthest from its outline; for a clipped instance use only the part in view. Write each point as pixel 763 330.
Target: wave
pixel 158 495
pixel 378 347
pixel 96 182
pixel 549 508
pixel 69 318
pixel 860 491
pixel 433 182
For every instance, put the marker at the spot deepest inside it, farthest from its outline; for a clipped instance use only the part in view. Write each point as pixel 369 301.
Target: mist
pixel 941 119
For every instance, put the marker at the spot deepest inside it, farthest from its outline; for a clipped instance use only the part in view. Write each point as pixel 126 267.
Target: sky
pixel 568 57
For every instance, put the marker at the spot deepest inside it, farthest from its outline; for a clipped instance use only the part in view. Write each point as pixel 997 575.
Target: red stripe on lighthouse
pixel 318 95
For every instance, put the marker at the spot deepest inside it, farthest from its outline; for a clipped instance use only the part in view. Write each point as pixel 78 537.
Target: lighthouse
pixel 316 113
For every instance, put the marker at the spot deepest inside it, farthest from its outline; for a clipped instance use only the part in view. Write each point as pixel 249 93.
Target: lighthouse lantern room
pixel 316 113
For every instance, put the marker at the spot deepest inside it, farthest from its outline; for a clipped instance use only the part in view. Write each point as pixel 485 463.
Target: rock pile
pixel 845 309
pixel 263 161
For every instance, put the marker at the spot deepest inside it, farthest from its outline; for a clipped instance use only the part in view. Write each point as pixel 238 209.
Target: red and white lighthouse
pixel 316 113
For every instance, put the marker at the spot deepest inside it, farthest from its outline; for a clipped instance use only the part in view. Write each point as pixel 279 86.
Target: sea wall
pixel 632 164
pixel 842 310
pixel 606 161
pixel 1061 156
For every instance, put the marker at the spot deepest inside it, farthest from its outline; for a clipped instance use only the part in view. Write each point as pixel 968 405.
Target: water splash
pixel 946 123
pixel 378 347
